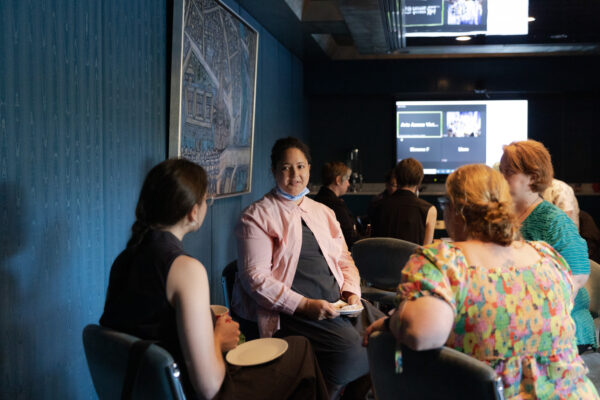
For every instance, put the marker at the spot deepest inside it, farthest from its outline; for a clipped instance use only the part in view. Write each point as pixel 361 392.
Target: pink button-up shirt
pixel 269 238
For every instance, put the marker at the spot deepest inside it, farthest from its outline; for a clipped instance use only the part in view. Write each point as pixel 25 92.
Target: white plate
pixel 347 309
pixel 258 351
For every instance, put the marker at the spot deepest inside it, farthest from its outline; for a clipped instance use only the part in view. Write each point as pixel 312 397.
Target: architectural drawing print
pixel 212 114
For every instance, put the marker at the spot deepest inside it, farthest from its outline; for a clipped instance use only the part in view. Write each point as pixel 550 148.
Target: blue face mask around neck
pixel 288 196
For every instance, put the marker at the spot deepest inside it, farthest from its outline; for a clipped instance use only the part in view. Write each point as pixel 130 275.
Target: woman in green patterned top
pixel 527 167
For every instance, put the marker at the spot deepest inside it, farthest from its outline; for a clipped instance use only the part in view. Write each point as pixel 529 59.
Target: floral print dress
pixel 516 319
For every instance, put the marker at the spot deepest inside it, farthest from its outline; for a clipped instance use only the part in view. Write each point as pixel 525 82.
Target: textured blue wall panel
pixel 134 60
pixel 52 253
pixel 83 95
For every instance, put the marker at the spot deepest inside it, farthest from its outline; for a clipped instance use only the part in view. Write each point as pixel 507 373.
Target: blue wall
pixel 83 100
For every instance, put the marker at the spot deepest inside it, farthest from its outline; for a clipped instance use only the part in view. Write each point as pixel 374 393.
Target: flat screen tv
pixel 444 135
pixel 465 17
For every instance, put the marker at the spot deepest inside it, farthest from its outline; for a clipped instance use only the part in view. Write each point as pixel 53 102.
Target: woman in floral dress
pixel 488 294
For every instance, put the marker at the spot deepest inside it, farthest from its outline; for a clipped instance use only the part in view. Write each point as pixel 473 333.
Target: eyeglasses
pixel 210 199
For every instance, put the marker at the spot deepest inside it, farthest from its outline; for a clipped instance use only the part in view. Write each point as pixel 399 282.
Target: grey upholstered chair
pixel 592 359
pixel 380 262
pixel 227 281
pixel 117 373
pixel 433 374
pixel 593 287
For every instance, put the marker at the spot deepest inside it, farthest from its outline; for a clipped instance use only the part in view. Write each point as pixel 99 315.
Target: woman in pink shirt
pixel 294 264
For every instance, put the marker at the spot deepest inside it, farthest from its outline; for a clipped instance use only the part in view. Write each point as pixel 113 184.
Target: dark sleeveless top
pixel 401 215
pixel 136 299
pixel 313 278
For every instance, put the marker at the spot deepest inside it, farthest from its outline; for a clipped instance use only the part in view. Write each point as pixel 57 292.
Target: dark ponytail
pixel 138 231
pixel 170 191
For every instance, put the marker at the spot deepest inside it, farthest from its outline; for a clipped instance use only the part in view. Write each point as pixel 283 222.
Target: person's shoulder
pixel 547 251
pixel 327 197
pixel 562 187
pixel 313 205
pixel 265 203
pixel 440 255
pixel 391 200
pixel 425 203
pixel 439 249
pixel 554 215
pixel 542 247
pixel 546 214
pixel 188 266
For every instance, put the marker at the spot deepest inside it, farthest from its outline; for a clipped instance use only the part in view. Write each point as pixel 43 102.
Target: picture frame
pixel 213 93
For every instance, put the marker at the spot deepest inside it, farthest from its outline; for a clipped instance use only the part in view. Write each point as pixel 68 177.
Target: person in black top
pixel 336 179
pixel 156 291
pixel 402 214
pixel 390 188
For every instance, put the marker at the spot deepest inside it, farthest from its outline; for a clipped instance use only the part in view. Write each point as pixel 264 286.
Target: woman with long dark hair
pixel 158 292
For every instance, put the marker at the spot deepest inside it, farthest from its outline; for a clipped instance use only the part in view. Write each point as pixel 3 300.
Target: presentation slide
pixel 444 135
pixel 465 17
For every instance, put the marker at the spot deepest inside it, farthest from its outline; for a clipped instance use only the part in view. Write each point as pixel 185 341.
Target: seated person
pixel 336 179
pixel 294 264
pixel 158 292
pixel 402 214
pixel 562 196
pixel 492 296
pixel 527 167
pixel 390 187
pixel 590 232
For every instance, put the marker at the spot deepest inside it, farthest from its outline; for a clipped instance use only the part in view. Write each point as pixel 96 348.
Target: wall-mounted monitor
pixel 443 135
pixel 465 17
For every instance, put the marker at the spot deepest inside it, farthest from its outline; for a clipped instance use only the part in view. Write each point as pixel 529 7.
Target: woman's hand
pixel 378 325
pixel 317 309
pixel 351 298
pixel 227 333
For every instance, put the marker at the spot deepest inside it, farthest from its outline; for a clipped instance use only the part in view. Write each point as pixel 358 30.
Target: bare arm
pixel 423 324
pixel 430 225
pixel 188 292
pixel 578 282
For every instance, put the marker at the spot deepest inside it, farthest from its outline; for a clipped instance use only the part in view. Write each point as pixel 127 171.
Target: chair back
pixel 156 375
pixel 380 260
pixel 433 374
pixel 593 287
pixel 227 281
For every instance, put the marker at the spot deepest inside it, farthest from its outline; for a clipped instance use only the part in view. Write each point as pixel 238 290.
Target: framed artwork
pixel 213 93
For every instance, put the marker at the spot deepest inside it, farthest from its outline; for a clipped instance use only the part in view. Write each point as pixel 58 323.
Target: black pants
pixel 295 376
pixel 337 342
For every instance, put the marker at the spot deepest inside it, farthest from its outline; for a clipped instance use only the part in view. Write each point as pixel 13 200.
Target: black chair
pixel 592 358
pixel 123 366
pixel 228 276
pixel 380 262
pixel 227 280
pixel 433 374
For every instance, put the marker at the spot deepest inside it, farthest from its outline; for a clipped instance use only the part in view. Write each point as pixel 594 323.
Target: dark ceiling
pixel 354 29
